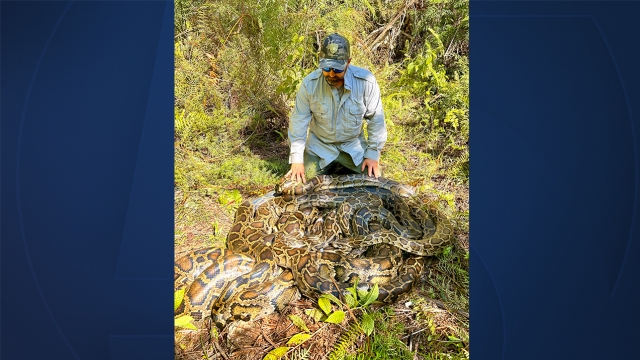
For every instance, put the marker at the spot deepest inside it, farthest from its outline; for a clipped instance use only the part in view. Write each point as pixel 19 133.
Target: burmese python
pixel 312 238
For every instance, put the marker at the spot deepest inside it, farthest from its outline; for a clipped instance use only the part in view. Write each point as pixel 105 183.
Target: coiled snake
pixel 309 239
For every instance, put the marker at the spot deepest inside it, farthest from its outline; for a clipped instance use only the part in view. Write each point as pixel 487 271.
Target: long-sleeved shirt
pixel 334 122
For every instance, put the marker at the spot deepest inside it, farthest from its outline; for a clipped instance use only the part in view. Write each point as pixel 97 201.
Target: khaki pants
pixel 312 164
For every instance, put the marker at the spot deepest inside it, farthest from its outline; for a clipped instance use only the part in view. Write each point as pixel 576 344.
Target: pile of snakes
pixel 309 239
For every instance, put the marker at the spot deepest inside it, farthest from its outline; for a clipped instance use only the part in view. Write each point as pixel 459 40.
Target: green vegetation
pixel 238 65
pixel 327 314
pixel 182 321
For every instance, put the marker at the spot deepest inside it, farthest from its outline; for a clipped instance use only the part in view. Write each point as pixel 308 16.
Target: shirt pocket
pixel 320 112
pixel 355 114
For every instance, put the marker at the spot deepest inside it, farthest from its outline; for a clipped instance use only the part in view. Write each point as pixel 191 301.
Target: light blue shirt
pixel 333 122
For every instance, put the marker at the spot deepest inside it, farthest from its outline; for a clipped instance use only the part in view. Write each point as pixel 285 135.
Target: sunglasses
pixel 337 71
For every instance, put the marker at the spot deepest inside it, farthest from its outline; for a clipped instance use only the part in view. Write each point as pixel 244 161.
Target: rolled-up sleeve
pixel 299 125
pixel 374 115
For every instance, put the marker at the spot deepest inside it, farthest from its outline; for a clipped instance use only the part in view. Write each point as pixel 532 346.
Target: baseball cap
pixel 334 52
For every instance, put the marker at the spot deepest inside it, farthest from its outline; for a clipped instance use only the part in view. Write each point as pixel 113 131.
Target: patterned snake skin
pixel 312 238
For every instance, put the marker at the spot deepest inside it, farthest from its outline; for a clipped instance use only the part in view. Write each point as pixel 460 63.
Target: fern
pixel 347 339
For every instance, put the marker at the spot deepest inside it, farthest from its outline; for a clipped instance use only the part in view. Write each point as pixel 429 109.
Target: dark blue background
pixel 87 188
pixel 555 246
pixel 87 180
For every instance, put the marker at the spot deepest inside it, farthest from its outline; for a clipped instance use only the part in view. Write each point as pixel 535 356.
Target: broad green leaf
pixel 297 321
pixel 178 296
pixel 325 305
pixel 276 353
pixel 367 324
pixel 332 298
pixel 315 313
pixel 371 296
pixel 353 292
pixel 336 317
pixel 298 339
pixel 184 322
pixel 351 301
pixel 362 294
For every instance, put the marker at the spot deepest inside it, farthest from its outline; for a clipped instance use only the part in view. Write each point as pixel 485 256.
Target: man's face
pixel 335 79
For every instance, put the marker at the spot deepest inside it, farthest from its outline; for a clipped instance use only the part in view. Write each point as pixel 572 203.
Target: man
pixel 331 104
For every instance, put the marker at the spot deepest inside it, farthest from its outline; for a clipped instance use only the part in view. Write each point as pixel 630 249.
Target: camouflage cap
pixel 335 52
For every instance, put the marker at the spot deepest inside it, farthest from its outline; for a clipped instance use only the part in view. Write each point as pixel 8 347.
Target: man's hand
pixel 296 173
pixel 373 166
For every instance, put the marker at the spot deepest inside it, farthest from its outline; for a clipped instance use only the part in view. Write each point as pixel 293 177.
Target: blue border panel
pixel 87 180
pixel 555 242
pixel 86 104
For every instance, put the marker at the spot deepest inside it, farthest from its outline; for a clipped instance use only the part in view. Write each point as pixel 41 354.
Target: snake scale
pixel 308 239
